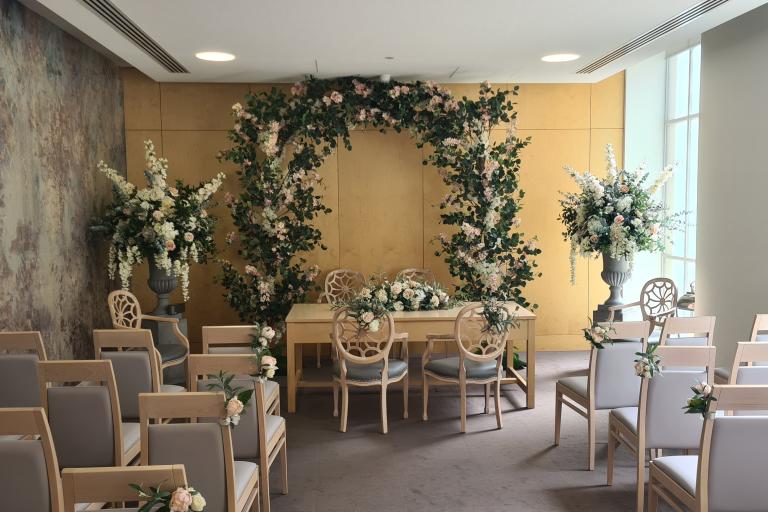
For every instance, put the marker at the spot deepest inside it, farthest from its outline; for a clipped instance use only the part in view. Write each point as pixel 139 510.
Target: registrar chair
pixel 126 313
pixel 479 361
pixel 659 422
pixel 362 359
pixel 259 435
pixel 658 301
pixel 729 474
pixel 759 333
pixel 29 469
pixel 610 384
pixel 341 285
pixel 204 448
pixel 236 339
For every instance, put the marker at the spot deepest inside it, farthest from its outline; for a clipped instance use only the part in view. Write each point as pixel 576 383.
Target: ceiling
pixel 444 40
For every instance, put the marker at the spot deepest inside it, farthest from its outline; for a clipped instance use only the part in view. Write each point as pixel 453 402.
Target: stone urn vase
pixel 162 282
pixel 615 273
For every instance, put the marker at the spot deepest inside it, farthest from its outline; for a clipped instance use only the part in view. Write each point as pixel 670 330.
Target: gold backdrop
pixel 384 200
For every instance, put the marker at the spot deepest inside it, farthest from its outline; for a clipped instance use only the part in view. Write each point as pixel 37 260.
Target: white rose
pixel 415 304
pixel 198 503
pixel 408 294
pixel 367 317
pixel 189 237
pixel 373 326
pixel 434 301
pixel 381 294
pixel 271 373
pixel 399 306
pixel 268 332
pixel 263 341
pixel 235 420
pixel 365 293
pixel 396 288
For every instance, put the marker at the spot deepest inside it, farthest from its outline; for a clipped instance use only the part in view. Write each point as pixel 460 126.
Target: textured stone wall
pixel 60 113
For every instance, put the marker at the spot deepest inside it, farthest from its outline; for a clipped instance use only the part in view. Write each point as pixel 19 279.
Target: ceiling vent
pixel 115 17
pixel 665 28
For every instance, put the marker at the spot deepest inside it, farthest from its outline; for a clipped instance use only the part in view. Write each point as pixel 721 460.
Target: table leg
pixel 291 376
pixel 531 369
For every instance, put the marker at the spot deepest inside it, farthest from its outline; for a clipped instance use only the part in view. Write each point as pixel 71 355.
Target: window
pixel 681 148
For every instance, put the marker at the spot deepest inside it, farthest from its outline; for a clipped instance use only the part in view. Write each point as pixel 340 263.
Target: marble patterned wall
pixel 60 113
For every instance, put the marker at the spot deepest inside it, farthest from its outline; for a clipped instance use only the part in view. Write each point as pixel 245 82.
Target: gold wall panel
pixel 553 106
pixel 134 153
pixel 200 106
pixel 607 106
pixel 141 100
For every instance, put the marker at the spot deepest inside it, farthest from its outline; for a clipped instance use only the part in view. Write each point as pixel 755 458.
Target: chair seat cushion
pixel 626 415
pixel 372 371
pixel 172 388
pixel 171 351
pixel 576 384
pixel 724 374
pixel 244 472
pixel 449 367
pixel 682 469
pixel 131 435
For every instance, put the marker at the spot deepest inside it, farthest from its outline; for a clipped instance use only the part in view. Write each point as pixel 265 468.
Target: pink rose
pixel 170 245
pixel 624 189
pixel 181 499
pixel 234 406
pixel 251 270
pixel 618 219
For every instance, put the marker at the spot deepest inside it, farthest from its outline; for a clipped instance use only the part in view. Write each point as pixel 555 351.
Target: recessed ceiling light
pixel 560 57
pixel 215 56
pixel 389 58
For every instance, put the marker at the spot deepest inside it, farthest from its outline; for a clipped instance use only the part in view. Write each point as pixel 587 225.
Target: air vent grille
pixel 115 17
pixel 665 28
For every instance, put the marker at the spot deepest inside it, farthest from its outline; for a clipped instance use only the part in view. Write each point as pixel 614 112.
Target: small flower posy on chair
pixel 235 399
pixel 366 309
pixel 498 319
pixel 183 499
pixel 262 338
pixel 648 363
pixel 699 402
pixel 598 336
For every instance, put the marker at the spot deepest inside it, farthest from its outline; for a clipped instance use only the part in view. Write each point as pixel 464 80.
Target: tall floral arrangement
pixel 281 138
pixel 168 225
pixel 616 215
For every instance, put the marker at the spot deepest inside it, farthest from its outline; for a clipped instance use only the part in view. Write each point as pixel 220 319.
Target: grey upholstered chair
pixel 362 359
pixel 611 382
pixel 259 436
pixel 136 363
pixel 85 419
pixel 204 448
pixel 688 331
pixel 479 361
pixel 659 422
pixel 729 474
pixel 29 471
pixel 19 354
pixel 759 333
pixel 236 339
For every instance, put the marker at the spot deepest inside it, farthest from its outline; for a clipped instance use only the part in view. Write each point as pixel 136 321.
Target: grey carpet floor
pixel 430 466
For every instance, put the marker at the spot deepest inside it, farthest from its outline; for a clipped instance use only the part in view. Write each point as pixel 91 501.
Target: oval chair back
pixel 612 382
pixel 124 310
pixel 658 301
pixel 475 338
pixel 342 284
pixel 359 345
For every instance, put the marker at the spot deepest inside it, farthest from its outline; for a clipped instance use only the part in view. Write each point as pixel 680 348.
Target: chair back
pixel 732 460
pixel 658 301
pixel 29 472
pixel 661 417
pixel 359 345
pixel 422 275
pixel 204 448
pixel 759 328
pixel 698 330
pixel 124 309
pixel 612 382
pixel 85 418
pixel 228 339
pixel 750 368
pixel 475 339
pixel 19 354
pixel 342 284
pixel 137 369
pixel 105 485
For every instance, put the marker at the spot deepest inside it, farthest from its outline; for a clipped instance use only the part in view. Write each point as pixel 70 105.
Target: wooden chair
pixel 19 355
pixel 479 360
pixel 204 448
pixel 611 382
pixel 658 301
pixel 29 471
pixel 259 435
pixel 136 363
pixel 362 359
pixel 112 485
pixel 126 313
pixel 85 419
pixel 759 333
pixel 236 339
pixel 341 285
pixel 659 422
pixel 750 365
pixel 422 275
pixel 688 331
pixel 729 472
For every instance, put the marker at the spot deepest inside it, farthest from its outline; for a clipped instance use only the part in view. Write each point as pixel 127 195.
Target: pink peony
pixel 618 219
pixel 181 499
pixel 234 406
pixel 170 245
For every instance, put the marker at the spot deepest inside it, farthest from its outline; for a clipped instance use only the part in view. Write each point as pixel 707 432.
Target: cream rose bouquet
pixel 183 499
pixel 235 398
pixel 408 295
pixel 260 344
pixel 169 225
pixel 701 399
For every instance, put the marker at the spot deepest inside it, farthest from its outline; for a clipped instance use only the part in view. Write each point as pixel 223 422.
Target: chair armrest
pixel 667 312
pixel 176 331
pixel 613 309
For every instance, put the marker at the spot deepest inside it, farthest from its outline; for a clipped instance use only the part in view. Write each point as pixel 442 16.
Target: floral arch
pixel 280 139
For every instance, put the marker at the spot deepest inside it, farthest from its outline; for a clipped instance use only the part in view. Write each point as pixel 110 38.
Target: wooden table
pixel 313 323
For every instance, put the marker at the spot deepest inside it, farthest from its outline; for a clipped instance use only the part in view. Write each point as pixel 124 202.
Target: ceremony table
pixel 313 324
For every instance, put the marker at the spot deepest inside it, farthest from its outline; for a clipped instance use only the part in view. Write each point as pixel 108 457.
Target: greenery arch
pixel 280 139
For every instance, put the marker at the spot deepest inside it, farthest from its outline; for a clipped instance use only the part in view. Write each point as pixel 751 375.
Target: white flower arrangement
pixel 235 398
pixel 648 364
pixel 168 224
pixel 260 344
pixel 408 295
pixel 616 215
pixel 183 499
pixel 700 402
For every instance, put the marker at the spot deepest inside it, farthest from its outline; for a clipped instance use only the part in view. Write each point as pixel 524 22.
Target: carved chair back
pixel 475 339
pixel 124 309
pixel 359 345
pixel 658 301
pixel 342 284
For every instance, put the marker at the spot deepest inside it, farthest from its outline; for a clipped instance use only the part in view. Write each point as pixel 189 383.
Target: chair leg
pixel 424 396
pixel 558 415
pixel 463 392
pixel 284 467
pixel 653 497
pixel 335 399
pixel 640 480
pixel 344 406
pixel 264 483
pixel 405 397
pixel 612 445
pixel 487 397
pixel 591 420
pixel 498 403
pixel 319 350
pixel 383 409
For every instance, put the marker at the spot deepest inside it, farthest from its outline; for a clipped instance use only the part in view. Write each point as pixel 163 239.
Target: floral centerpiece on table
pixel 235 398
pixel 260 343
pixel 167 225
pixel 616 215
pixel 183 499
pixel 699 402
pixel 408 295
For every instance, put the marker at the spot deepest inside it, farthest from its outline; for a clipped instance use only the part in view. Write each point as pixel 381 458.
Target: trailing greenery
pixel 280 139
